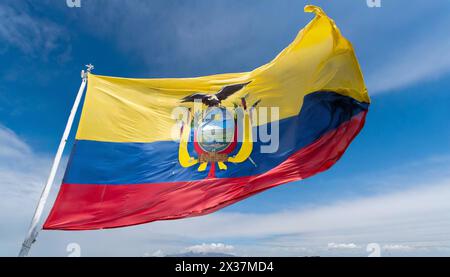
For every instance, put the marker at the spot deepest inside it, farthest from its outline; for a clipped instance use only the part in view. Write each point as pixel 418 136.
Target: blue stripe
pixel 94 162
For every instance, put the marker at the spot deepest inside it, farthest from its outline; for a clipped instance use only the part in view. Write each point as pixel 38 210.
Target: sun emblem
pixel 215 131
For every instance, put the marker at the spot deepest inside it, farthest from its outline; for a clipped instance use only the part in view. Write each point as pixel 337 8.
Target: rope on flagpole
pixel 35 226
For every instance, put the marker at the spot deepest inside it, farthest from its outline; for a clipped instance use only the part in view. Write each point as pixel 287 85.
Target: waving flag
pixel 158 149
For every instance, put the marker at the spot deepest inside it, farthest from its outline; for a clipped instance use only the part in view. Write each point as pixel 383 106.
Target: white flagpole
pixel 35 226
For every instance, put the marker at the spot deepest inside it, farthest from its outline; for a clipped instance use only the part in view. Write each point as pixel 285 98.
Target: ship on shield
pixel 215 131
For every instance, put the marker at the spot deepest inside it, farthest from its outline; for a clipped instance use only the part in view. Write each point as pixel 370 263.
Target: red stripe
pixel 86 207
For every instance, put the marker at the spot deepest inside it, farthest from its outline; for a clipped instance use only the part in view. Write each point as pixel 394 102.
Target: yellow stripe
pixel 139 110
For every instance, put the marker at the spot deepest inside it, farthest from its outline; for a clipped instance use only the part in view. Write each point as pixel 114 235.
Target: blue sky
pixel 391 187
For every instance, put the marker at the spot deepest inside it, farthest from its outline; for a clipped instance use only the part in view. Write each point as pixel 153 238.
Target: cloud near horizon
pixel 22 176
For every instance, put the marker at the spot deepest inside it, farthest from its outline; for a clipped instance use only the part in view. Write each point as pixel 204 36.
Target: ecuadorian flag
pixel 158 149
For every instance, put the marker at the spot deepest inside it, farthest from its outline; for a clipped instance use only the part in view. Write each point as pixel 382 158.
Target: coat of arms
pixel 214 131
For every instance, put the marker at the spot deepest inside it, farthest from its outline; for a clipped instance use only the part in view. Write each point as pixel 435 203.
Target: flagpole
pixel 34 226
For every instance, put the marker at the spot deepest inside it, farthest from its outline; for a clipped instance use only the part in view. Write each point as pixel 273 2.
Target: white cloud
pixel 22 175
pixel 157 253
pixel 398 247
pixel 427 59
pixel 34 36
pixel 333 245
pixel 210 248
pixel 20 168
pixel 401 46
pixel 11 146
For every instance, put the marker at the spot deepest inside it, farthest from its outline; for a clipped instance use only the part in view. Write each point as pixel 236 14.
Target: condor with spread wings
pixel 213 100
